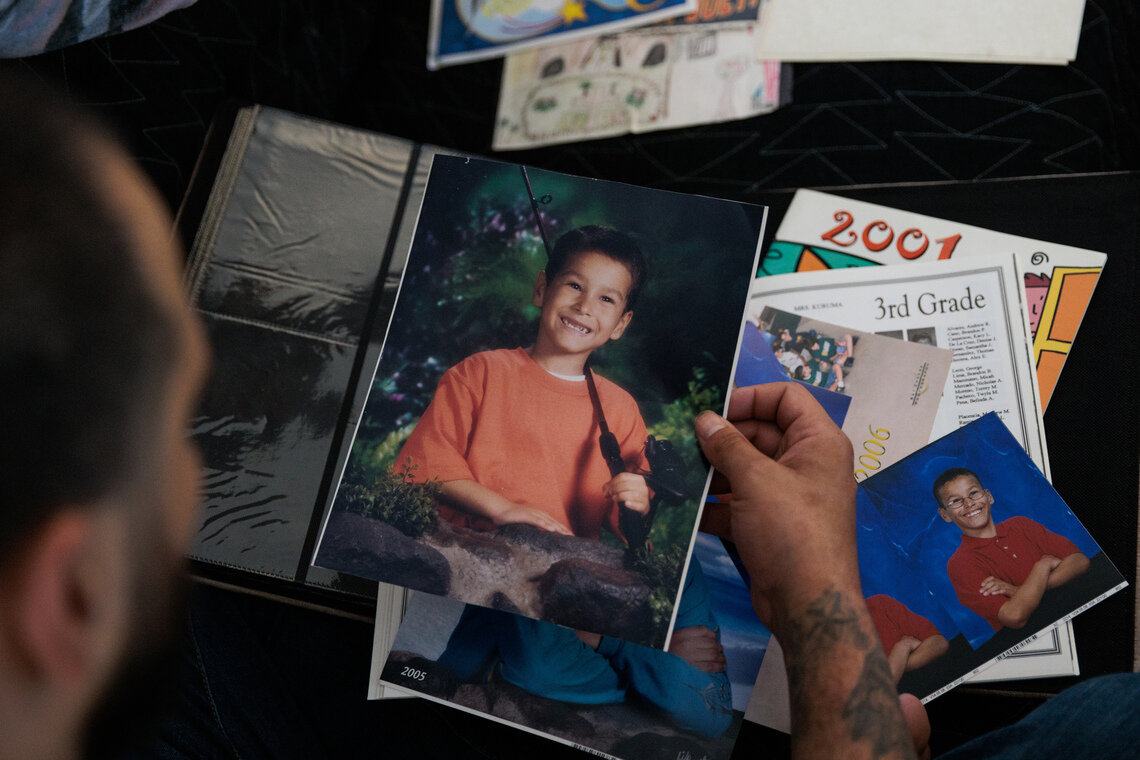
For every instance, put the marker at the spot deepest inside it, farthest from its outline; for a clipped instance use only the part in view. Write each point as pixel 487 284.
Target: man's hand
pixel 697 645
pixel 792 510
pixel 992 586
pixel 918 723
pixel 792 514
pixel 630 489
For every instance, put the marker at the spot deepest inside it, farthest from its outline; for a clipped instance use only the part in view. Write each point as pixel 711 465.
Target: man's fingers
pixel 755 402
pixel 763 434
pixel 728 450
pixel 918 723
pixel 777 402
pixel 775 416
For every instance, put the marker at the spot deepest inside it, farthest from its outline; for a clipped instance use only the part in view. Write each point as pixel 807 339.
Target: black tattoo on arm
pixel 827 636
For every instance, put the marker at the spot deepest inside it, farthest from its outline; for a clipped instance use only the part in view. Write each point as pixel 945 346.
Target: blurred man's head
pixel 100 365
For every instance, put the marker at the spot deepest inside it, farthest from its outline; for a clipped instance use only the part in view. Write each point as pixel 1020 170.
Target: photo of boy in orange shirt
pixel 510 433
pixel 527 444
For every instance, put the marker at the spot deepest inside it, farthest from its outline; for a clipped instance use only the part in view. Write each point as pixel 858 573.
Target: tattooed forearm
pixel 873 697
pixel 830 618
pixel 836 667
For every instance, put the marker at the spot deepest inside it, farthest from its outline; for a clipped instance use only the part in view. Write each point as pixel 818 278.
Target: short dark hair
pixel 86 347
pixel 947 476
pixel 607 241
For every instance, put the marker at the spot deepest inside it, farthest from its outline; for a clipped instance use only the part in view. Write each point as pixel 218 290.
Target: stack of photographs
pixel 525 462
pixel 526 457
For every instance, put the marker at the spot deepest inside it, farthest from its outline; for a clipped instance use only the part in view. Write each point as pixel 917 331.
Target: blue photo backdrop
pixel 902 497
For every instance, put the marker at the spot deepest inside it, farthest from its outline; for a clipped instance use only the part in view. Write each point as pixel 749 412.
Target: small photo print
pixel 884 393
pixel 527 442
pixel 764 359
pixel 600 694
pixel 949 540
pixel 969 534
pixel 923 335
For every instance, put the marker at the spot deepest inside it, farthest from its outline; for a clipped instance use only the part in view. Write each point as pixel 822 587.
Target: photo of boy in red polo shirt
pixel 1001 571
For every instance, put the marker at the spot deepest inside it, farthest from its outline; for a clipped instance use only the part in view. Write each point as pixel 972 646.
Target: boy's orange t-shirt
pixel 500 419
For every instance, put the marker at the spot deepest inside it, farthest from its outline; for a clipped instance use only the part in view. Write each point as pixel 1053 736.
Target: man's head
pixel 100 366
pixel 586 295
pixel 964 501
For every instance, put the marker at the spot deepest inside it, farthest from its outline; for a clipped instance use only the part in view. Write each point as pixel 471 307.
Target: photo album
pixel 527 444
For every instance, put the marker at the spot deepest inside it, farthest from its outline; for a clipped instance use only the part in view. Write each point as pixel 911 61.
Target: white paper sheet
pixel 1013 31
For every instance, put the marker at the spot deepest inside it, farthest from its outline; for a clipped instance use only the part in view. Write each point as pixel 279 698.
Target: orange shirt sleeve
pixel 437 447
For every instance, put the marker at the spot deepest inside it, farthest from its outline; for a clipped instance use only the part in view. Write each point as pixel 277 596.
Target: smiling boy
pixel 511 434
pixel 1001 571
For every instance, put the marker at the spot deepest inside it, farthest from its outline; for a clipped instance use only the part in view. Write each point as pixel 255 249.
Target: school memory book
pixel 821 230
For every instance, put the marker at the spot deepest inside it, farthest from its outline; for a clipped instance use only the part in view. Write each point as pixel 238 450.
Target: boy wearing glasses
pixel 1000 571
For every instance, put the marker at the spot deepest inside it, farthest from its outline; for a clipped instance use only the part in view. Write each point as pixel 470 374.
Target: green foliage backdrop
pixel 468 286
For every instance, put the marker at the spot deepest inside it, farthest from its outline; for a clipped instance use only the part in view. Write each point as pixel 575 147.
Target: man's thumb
pixel 725 446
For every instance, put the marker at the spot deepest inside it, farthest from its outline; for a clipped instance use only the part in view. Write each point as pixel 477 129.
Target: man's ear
pixel 945 515
pixel 623 323
pixel 55 598
pixel 539 289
